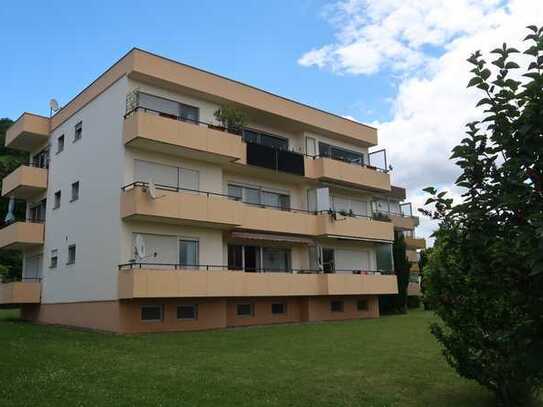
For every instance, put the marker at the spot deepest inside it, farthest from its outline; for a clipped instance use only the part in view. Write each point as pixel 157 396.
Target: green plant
pixel 485 275
pixel 231 118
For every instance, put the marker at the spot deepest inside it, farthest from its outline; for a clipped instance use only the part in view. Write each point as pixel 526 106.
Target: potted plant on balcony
pixel 380 216
pixel 231 118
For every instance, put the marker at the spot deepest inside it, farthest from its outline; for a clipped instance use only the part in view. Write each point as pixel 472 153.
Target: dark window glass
pixel 57 200
pixel 187 312
pixel 151 313
pixel 268 140
pixel 60 145
pixel 342 154
pixel 189 113
pixel 235 255
pixel 275 259
pixel 37 213
pixel 75 191
pixel 41 160
pixel 250 136
pixel 336 306
pixel 78 131
pixel 245 310
pixel 279 308
pixel 235 191
pixel 71 254
pixel 362 305
pixel 188 252
pixel 54 259
pixel 328 260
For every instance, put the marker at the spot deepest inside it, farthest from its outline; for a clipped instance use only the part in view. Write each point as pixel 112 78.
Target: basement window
pixel 187 312
pixel 245 310
pixel 152 313
pixel 279 308
pixel 362 305
pixel 336 306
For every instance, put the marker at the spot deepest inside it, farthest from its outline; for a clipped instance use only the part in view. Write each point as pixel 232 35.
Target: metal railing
pixel 134 266
pixel 27 220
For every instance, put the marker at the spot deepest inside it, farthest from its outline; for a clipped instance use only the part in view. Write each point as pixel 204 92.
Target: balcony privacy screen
pixel 279 160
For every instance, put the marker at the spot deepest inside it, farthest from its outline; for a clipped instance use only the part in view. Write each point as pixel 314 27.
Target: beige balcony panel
pixel 21 235
pixel 412 256
pixel 404 222
pixel 414 289
pixel 358 228
pixel 155 133
pixel 274 220
pixel 28 133
pixel 149 283
pixel 25 182
pixel 415 243
pixel 327 169
pixel 184 207
pixel 20 293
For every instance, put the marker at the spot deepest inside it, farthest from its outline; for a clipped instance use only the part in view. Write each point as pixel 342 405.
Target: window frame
pixel 160 306
pixel 284 309
pixel 53 255
pixel 61 140
pixel 251 308
pixel 75 197
pixel 341 308
pixel 70 260
pixel 78 131
pixel 195 311
pixel 181 239
pixel 57 199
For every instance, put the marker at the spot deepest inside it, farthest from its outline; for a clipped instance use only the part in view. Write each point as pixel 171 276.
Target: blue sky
pixel 63 45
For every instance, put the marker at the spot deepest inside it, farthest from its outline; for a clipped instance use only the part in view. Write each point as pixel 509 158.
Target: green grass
pixel 392 361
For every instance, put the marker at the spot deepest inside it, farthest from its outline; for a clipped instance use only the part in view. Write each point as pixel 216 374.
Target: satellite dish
pixel 53 104
pixel 151 189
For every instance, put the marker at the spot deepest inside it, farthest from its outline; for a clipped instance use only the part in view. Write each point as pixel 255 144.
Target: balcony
pixel 216 210
pixel 412 256
pixel 20 292
pixel 22 235
pixel 403 222
pixel 149 130
pixel 350 174
pixel 414 289
pixel 28 133
pixel 415 243
pixel 25 182
pixel 275 159
pixel 171 283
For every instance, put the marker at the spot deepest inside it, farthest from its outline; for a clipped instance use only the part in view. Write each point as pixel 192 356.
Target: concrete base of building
pixel 125 316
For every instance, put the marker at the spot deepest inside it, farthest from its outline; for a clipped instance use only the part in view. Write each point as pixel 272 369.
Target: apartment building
pixel 145 213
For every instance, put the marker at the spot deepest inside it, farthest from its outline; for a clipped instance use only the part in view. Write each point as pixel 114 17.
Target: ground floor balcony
pixel 20 292
pixel 216 210
pixel 147 281
pixel 22 235
pixel 415 243
pixel 25 182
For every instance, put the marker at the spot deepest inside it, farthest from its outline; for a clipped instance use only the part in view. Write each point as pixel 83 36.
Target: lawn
pixel 392 361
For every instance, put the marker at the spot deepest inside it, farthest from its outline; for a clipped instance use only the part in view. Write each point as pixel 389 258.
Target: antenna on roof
pixel 53 106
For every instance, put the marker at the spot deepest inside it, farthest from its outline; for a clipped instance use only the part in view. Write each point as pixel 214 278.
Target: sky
pixel 398 65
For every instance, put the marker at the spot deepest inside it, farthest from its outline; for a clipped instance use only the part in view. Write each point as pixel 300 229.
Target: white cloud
pixel 432 103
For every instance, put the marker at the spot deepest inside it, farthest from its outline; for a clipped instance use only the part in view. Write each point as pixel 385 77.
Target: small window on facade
pixel 151 312
pixel 279 308
pixel 75 191
pixel 60 144
pixel 78 132
pixel 71 254
pixel 362 305
pixel 245 310
pixel 187 311
pixel 57 200
pixel 54 259
pixel 336 306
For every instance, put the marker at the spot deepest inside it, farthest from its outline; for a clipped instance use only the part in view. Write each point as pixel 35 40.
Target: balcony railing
pixel 220 267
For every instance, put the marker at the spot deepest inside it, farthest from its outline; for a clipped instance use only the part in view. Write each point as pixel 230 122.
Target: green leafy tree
pixel 485 275
pixel 424 256
pixel 232 119
pixel 10 261
pixel 401 269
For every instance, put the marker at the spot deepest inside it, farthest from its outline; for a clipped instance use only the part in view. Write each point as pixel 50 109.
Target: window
pixel 328 261
pixel 71 254
pixel 41 159
pixel 166 175
pixel 152 312
pixel 269 140
pixel 60 144
pixel 57 200
pixel 362 305
pixel 75 191
pixel 189 179
pixel 310 146
pixel 279 308
pixel 235 191
pixel 54 259
pixel 258 196
pixel 245 310
pixel 37 212
pixel 78 131
pixel 336 306
pixel 188 253
pixel 168 108
pixel 235 257
pixel 342 154
pixel 275 259
pixel 187 311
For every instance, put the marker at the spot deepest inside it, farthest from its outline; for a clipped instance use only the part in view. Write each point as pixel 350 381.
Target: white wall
pixel 92 222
